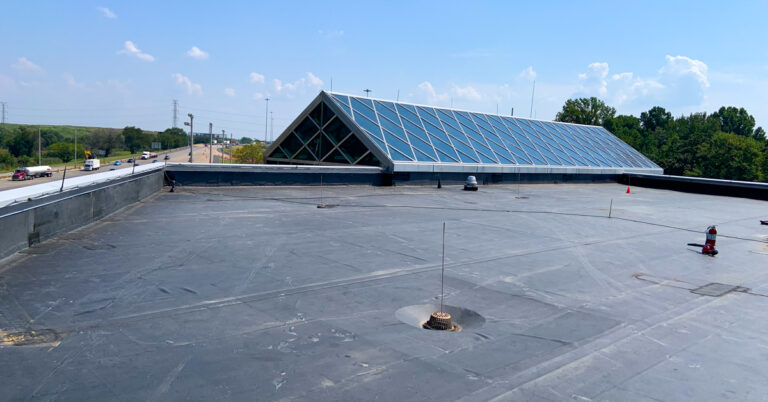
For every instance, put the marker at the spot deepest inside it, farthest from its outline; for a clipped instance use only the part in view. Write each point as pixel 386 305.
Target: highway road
pixel 182 155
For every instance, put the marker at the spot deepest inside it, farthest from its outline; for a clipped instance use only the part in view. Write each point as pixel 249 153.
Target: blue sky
pixel 109 63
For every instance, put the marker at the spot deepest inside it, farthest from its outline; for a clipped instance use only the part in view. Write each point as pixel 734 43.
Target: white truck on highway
pixel 29 173
pixel 92 164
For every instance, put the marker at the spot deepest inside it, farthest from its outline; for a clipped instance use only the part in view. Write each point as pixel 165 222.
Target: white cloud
pixel 681 81
pixel 130 48
pixel 258 95
pixel 70 80
pixel 107 12
pixel 468 92
pixel 196 53
pixel 185 82
pixel 23 64
pixel 594 80
pixel 229 91
pixel 310 80
pixel 257 78
pixel 313 80
pixel 432 96
pixel 527 74
pixel 330 34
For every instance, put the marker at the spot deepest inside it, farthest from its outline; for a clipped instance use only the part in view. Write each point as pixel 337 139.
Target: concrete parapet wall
pixel 26 223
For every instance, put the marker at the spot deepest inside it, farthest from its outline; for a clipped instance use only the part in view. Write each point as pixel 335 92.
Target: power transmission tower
pixel 175 112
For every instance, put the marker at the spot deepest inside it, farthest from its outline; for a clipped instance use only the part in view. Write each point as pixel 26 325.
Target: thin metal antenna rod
pixel 398 95
pixel 532 93
pixel 442 272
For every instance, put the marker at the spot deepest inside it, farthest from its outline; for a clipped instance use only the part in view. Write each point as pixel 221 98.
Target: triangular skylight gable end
pixel 324 134
pixel 405 137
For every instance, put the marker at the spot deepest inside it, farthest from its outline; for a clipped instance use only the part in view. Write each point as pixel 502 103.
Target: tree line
pixel 19 143
pixel 722 145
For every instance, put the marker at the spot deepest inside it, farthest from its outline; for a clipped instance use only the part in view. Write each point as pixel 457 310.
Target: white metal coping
pixel 21 194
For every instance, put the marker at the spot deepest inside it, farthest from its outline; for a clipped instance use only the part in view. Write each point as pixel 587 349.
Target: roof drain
pixel 439 321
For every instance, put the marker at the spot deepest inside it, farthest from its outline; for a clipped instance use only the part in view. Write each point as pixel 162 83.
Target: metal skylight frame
pixel 581 144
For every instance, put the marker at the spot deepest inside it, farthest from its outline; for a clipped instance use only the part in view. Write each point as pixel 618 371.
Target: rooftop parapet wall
pixel 28 223
pixel 699 185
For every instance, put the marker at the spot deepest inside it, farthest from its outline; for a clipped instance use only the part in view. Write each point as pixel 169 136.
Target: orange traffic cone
pixel 628 190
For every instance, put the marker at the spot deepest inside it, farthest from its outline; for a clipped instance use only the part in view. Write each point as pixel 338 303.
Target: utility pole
pixel 210 132
pixel 231 149
pixel 39 148
pixel 2 116
pixel 191 134
pixel 271 126
pixel 266 120
pixel 175 112
pixel 223 137
pixel 75 148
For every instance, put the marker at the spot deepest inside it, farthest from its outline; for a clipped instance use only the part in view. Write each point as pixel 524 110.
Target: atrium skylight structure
pixel 340 129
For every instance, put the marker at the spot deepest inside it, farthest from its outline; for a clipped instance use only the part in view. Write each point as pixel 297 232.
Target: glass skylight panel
pixel 429 115
pixel 368 125
pixel 360 107
pixel 436 131
pixel 389 113
pixel 493 140
pixel 554 146
pixel 445 152
pixel 408 114
pixel 614 159
pixel 343 101
pixel 398 143
pixel 556 141
pixel 640 159
pixel 540 144
pixel 578 147
pixel 524 141
pixel 613 147
pixel 511 143
pixel 601 158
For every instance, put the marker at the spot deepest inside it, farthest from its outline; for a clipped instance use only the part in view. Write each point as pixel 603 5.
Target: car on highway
pixel 130 160
pixel 118 163
pixel 154 161
pixel 167 157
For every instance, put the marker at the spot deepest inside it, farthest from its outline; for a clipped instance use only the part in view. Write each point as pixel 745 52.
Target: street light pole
pixel 266 120
pixel 191 135
pixel 223 137
pixel 210 153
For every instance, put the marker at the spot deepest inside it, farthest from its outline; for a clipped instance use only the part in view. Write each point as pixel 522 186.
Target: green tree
pixel 135 139
pixel 246 140
pixel 65 151
pixel 730 156
pixel 759 134
pixel 62 150
pixel 251 153
pixel 6 159
pixel 22 142
pixel 735 120
pixel 656 117
pixel 102 139
pixel 590 111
